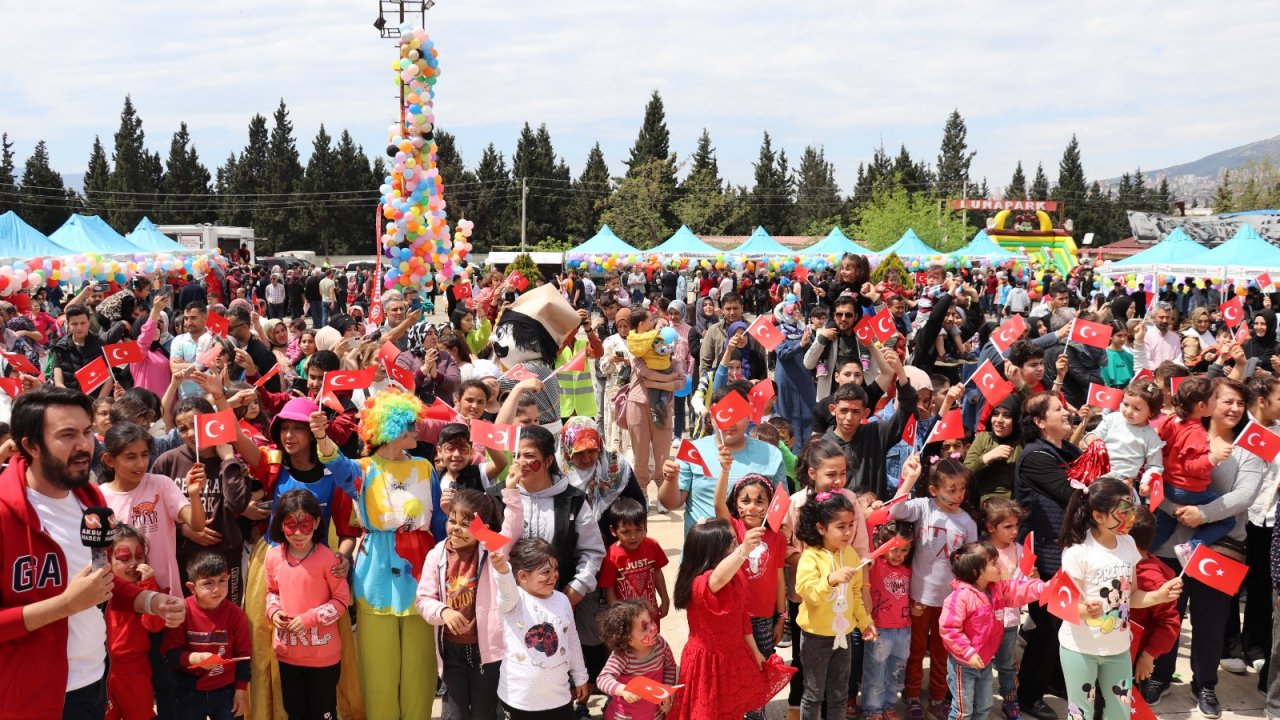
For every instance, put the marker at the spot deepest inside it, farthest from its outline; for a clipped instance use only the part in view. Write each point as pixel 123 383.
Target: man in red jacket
pixel 52 634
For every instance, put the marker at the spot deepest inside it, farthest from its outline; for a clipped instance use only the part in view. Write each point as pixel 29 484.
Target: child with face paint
pixel 1101 559
pixel 942 526
pixel 305 600
pixel 636 649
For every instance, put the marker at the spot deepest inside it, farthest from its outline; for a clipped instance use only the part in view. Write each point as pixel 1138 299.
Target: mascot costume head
pixel 530 333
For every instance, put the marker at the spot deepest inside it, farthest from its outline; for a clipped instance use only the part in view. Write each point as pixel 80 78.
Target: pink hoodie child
pixel 972 621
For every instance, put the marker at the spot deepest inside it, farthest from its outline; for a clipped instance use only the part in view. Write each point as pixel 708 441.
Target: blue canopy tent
pixel 20 240
pixel 910 246
pixel 760 244
pixel 685 244
pixel 982 247
pixel 1245 252
pixel 147 238
pixel 835 243
pixel 1176 249
pixel 82 234
pixel 603 243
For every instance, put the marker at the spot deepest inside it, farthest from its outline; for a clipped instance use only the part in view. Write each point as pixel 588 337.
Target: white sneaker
pixel 1259 664
pixel 1233 665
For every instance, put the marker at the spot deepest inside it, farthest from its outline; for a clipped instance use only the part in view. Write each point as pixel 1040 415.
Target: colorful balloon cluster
pixel 416 236
pixel 76 269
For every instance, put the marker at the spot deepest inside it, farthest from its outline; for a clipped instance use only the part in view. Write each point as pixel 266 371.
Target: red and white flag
pixel 1028 562
pixel 12 386
pixel 209 358
pixel 731 410
pixel 92 376
pixel 1175 382
pixel 1090 333
pixel 462 290
pixel 577 363
pixel 519 373
pixel 1259 441
pixel 880 515
pixel 765 333
pixel 217 324
pixel 1062 598
pixel 216 428
pixel 123 353
pixel 1007 334
pixel 275 370
pixel 993 387
pixel 887 547
pixel 950 427
pixel 493 541
pixel 400 376
pixel 1232 312
pixel 864 332
pixel 1216 570
pixel 1264 282
pixel 494 437
pixel 1156 489
pixel 388 352
pixel 650 690
pixel 348 380
pixel 909 430
pixel 20 362
pixel 1145 374
pixel 1101 396
pixel 688 453
pixel 760 395
pixel 882 325
pixel 518 281
pixel 778 507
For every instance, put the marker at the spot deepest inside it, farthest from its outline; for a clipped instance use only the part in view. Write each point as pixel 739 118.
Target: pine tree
pixel 1223 198
pixel 313 226
pixel 353 217
pixel 45 202
pixel 953 159
pixel 273 220
pixel 589 190
pixel 242 182
pixel 1017 188
pixel 703 164
pixel 654 143
pixel 1039 185
pixel 549 184
pixel 817 194
pixel 913 176
pixel 453 174
pixel 8 176
pixel 495 209
pixel 97 179
pixel 1071 183
pixel 1141 199
pixel 705 205
pixel 134 183
pixel 186 183
pixel 877 175
pixel 633 210
pixel 1162 201
pixel 771 197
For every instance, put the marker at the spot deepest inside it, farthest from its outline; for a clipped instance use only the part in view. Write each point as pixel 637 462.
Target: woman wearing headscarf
pixel 435 369
pixel 275 335
pixel 1262 340
pixel 993 456
pixel 1122 308
pixel 1198 326
pixel 796 391
pixel 152 372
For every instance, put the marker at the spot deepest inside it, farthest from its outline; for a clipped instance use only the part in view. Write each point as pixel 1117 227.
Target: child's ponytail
pixel 1101 496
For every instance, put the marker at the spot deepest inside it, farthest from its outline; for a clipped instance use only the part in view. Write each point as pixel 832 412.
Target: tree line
pixel 329 203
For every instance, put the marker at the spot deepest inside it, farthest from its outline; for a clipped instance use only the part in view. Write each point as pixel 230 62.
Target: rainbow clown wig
pixel 388 415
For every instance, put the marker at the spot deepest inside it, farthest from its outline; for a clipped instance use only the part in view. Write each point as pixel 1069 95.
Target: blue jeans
pixel 970 691
pixel 1206 534
pixel 201 705
pixel 884 667
pixel 1006 664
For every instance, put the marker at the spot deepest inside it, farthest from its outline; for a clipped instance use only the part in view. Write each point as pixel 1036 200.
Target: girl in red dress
pixel 723 672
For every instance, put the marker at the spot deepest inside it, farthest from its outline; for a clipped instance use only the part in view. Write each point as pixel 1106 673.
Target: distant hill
pixel 1211 166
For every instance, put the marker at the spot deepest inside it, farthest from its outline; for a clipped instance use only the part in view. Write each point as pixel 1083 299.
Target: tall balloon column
pixel 415 235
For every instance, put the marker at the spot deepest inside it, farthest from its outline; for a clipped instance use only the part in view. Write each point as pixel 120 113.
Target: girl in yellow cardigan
pixel 829 583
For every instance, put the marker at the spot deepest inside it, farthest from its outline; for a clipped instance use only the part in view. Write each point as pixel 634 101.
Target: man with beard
pixel 52 634
pixel 1161 342
pixel 717 335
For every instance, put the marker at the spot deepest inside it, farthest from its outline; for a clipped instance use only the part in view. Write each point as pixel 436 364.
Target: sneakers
pixel 970 359
pixel 1207 701
pixel 939 709
pixel 1041 711
pixel 890 713
pixel 914 710
pixel 582 711
pixel 1152 690
pixel 1234 665
pixel 947 361
pixel 851 709
pixel 1011 710
pixel 785 642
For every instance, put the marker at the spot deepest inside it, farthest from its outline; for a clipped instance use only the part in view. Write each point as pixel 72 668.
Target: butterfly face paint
pixel 298 525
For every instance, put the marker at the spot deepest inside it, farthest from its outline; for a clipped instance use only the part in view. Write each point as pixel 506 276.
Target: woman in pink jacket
pixel 972 625
pixel 459 595
pixel 153 372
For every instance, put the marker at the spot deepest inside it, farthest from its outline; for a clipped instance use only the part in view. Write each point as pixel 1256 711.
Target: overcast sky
pixel 1141 82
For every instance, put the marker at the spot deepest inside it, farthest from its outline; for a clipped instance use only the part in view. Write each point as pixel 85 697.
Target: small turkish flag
pixel 778 507
pixel 1264 282
pixel 461 291
pixel 275 370
pixel 329 400
pixel 518 281
pixel 1090 333
pixel 650 690
pixel 993 387
pixel 732 410
pixel 1062 598
pixel 210 356
pixel 388 353
pixel 20 362
pixel 400 376
pixel 760 395
pixel 577 363
pixel 123 353
pixel 1007 334
pixel 217 324
pixel 909 430
pixel 12 386
pixel 92 376
pixel 375 310
pixel 866 335
pixel 1259 441
pixel 950 427
pixel 1216 570
pixel 494 437
pixel 216 428
pixel 887 547
pixel 493 541
pixel 801 273
pixel 765 333
pixel 1232 312
pixel 1157 490
pixel 1028 562
pixel 346 380
pixel 1144 374
pixel 882 325
pixel 1141 710
pixel 1150 296
pixel 1242 334
pixel 688 453
pixel 520 372
pixel 1175 382
pixel 1101 396
pixel 880 515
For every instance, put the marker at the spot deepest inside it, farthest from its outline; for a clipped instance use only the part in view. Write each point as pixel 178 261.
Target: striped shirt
pixel 621 667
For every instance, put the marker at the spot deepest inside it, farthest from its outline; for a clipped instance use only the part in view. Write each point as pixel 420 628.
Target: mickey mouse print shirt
pixel 1107 575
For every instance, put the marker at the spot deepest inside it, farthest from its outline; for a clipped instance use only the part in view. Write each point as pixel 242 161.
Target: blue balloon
pixel 687 389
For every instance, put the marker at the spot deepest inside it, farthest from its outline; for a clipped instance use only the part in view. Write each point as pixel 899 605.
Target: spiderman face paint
pixel 299 525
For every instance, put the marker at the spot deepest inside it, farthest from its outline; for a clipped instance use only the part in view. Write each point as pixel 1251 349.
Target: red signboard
pixel 995 205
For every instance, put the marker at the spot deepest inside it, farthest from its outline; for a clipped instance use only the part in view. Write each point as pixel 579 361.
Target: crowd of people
pixel 326 503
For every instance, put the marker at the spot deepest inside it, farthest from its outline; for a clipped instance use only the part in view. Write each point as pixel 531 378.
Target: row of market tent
pixel 1246 253
pixel 684 243
pixel 80 235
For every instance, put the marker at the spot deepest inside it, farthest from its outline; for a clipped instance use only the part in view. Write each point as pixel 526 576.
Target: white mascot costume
pixel 530 333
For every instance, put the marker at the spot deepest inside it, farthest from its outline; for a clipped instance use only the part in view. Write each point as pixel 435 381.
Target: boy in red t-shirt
pixel 211 648
pixel 632 567
pixel 1156 628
